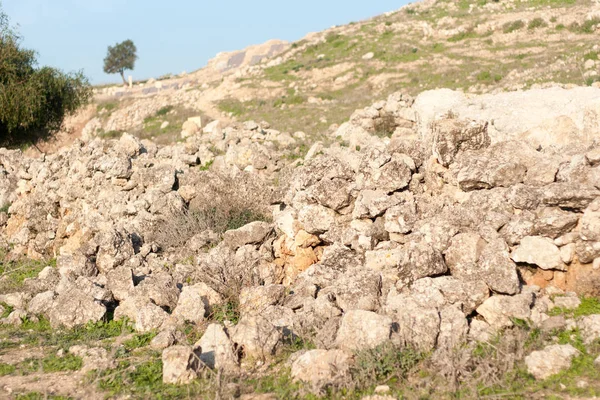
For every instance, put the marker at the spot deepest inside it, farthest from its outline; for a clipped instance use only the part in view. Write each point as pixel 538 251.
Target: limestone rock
pixel 539 251
pixel 498 310
pixel 322 367
pixel 181 365
pixel 550 361
pixel 74 307
pixel 218 352
pixel 361 330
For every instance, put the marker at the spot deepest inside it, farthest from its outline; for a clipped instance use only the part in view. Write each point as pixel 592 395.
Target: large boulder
pixel 362 330
pixel 74 307
pixel 322 367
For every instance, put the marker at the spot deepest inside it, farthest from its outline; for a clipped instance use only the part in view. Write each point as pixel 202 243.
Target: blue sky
pixel 171 36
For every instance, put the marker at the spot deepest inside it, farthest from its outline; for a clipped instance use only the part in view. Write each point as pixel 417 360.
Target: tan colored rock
pixel 322 367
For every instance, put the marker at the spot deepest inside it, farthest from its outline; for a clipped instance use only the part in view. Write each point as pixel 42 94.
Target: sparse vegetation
pixel 536 23
pixel 513 26
pixel 14 273
pixel 588 306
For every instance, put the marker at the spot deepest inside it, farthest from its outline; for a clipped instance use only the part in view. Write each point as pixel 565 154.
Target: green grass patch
pixel 139 340
pixel 586 27
pixel 142 379
pixel 459 37
pixel 592 55
pixel 49 364
pixel 6 369
pixel 107 107
pixel 40 333
pixel 40 396
pixel 488 77
pixel 588 306
pixel 14 273
pixel 232 106
pixel 228 311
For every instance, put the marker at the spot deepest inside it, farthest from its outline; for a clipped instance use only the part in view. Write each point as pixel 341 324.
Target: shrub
pixel 488 77
pixel 33 101
pixel 385 125
pixel 513 26
pixel 225 203
pixel 588 26
pixel 383 363
pixel 536 23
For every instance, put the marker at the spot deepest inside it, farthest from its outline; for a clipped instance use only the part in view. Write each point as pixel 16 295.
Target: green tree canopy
pixel 33 101
pixel 120 57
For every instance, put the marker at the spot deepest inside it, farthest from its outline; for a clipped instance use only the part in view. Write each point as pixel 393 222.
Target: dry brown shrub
pixel 225 202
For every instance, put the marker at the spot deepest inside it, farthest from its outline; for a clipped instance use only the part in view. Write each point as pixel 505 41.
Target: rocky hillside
pixel 316 83
pixel 449 255
pixel 365 238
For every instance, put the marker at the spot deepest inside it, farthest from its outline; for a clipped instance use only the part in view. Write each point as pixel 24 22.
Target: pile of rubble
pixel 425 242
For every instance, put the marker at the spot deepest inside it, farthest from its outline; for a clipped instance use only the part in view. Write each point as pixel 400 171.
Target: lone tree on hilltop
pixel 33 101
pixel 120 57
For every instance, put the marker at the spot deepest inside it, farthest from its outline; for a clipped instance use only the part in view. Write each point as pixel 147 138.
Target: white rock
pixel 550 361
pixel 368 56
pixel 361 330
pixel 539 251
pixel 180 365
pixel 322 367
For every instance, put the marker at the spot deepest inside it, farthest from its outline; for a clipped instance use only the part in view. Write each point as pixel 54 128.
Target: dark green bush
pixel 33 101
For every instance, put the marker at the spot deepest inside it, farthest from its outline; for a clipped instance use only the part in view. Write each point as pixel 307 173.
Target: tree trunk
pixel 123 77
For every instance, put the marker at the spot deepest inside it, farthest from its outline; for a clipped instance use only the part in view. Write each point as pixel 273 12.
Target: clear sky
pixel 171 36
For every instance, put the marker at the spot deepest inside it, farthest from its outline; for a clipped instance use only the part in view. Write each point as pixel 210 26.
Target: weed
pixel 207 166
pixel 488 77
pixel 231 106
pixel 591 80
pixel 110 134
pixel 588 26
pixel 6 310
pixel 39 396
pixel 139 340
pixel 385 126
pixel 6 369
pixel 513 26
pixel 4 208
pixel 164 111
pixel 49 364
pixel 14 273
pixel 228 311
pixel 383 363
pixel 536 23
pixel 468 34
pixel 592 55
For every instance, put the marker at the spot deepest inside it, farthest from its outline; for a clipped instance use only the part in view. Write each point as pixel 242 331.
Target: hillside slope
pixel 476 46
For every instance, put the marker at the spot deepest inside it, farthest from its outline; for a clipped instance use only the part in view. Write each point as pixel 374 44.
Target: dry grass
pixel 225 202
